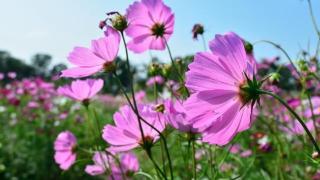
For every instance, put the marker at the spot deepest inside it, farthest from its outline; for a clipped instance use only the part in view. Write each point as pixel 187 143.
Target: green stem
pixel 285 53
pixel 313 116
pixel 315 76
pixel 313 19
pixel 174 65
pixel 204 42
pixel 211 161
pixel 284 103
pixel 131 86
pixel 194 160
pixel 146 122
pixel 155 164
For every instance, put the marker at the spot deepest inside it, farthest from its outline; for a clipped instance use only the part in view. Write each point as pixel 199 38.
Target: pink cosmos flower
pixel 125 134
pixel 177 117
pixel 81 90
pixel 89 61
pixel 316 107
pixel 155 80
pixel 140 96
pixel 151 23
pixel 33 104
pixel 235 148
pixel 218 107
pixel 102 162
pixel 12 75
pixel 64 147
pixel 294 102
pixel 246 153
pixel 1 76
pixel 294 127
pixel 129 165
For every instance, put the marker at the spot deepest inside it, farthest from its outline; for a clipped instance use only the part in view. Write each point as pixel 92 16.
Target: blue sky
pixel 56 26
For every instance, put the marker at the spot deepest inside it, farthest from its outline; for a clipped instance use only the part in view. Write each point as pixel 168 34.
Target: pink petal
pixel 94 170
pixel 81 56
pixel 78 72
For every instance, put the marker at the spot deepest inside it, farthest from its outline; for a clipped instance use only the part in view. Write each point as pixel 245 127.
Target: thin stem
pixel 204 42
pixel 194 160
pixel 146 122
pixel 97 121
pixel 313 18
pixel 315 76
pixel 174 65
pixel 155 90
pixel 284 103
pixel 313 116
pixel 131 85
pixel 98 137
pixel 284 52
pixel 155 164
pixel 211 161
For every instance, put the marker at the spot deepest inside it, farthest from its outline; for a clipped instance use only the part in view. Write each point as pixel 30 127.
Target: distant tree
pixel 56 69
pixel 41 62
pixel 12 64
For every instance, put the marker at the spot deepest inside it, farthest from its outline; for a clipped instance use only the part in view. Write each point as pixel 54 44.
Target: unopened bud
pixel 102 24
pixel 154 69
pixel 166 70
pixel 248 47
pixel 274 77
pixel 119 22
pixel 197 30
pixel 302 64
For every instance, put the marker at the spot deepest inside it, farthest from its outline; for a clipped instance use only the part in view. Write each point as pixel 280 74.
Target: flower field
pixel 220 113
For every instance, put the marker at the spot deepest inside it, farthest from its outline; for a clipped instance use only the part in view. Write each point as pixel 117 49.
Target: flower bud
pixel 303 66
pixel 102 24
pixel 248 47
pixel 154 69
pixel 197 30
pixel 119 22
pixel 274 77
pixel 166 69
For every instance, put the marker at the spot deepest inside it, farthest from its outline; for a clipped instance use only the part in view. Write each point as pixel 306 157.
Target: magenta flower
pixel 129 165
pixel 99 57
pixel 294 127
pixel 316 107
pixel 81 90
pixel 64 147
pixel 151 23
pixel 294 102
pixel 177 117
pixel 125 134
pixel 140 96
pixel 155 80
pixel 219 107
pixel 33 104
pixel 246 153
pixel 235 148
pixel 12 75
pixel 102 162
